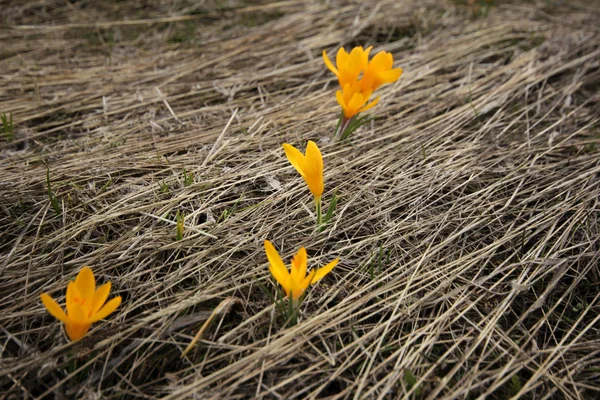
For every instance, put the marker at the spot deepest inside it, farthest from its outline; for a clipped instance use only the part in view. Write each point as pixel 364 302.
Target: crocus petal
pixel 314 160
pixel 295 157
pixel 367 82
pixel 305 283
pixel 276 263
pixel 355 103
pixel 85 282
pixel 76 331
pixel 299 265
pixel 365 58
pixel 340 99
pixel 350 70
pixel 287 284
pixel 280 277
pixel 72 294
pixel 321 272
pixel 380 71
pixel 100 296
pixel 329 64
pixel 391 75
pixel 106 310
pixel 370 105
pixel 314 157
pixel 341 57
pixel 355 59
pixel 53 307
pixel 349 91
pixel 313 169
pixel 77 314
pixel 382 61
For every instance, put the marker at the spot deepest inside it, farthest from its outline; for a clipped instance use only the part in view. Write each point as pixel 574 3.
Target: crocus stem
pixel 341 119
pixel 345 124
pixel 292 310
pixel 72 361
pixel 319 215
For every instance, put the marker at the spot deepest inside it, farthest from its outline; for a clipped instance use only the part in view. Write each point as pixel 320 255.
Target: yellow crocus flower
pixel 374 73
pixel 85 304
pixel 310 166
pixel 353 100
pixel 296 281
pixel 355 93
pixel 379 71
pixel 349 66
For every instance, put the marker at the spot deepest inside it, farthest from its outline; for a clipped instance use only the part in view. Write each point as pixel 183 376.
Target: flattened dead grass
pixel 467 224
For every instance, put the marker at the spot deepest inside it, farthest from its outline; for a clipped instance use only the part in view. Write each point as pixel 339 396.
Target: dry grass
pixel 467 226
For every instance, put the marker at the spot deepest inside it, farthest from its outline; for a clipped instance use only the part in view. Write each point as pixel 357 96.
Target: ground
pixel 467 222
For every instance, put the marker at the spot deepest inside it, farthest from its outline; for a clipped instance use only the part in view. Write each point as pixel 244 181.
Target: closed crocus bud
pixel 309 165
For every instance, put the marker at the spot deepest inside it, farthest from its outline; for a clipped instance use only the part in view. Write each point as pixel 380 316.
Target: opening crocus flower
pixel 353 100
pixel 296 281
pixel 358 78
pixel 310 166
pixel 374 73
pixel 379 71
pixel 349 66
pixel 85 304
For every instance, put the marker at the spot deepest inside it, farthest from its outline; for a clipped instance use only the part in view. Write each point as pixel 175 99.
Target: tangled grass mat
pixel 467 223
